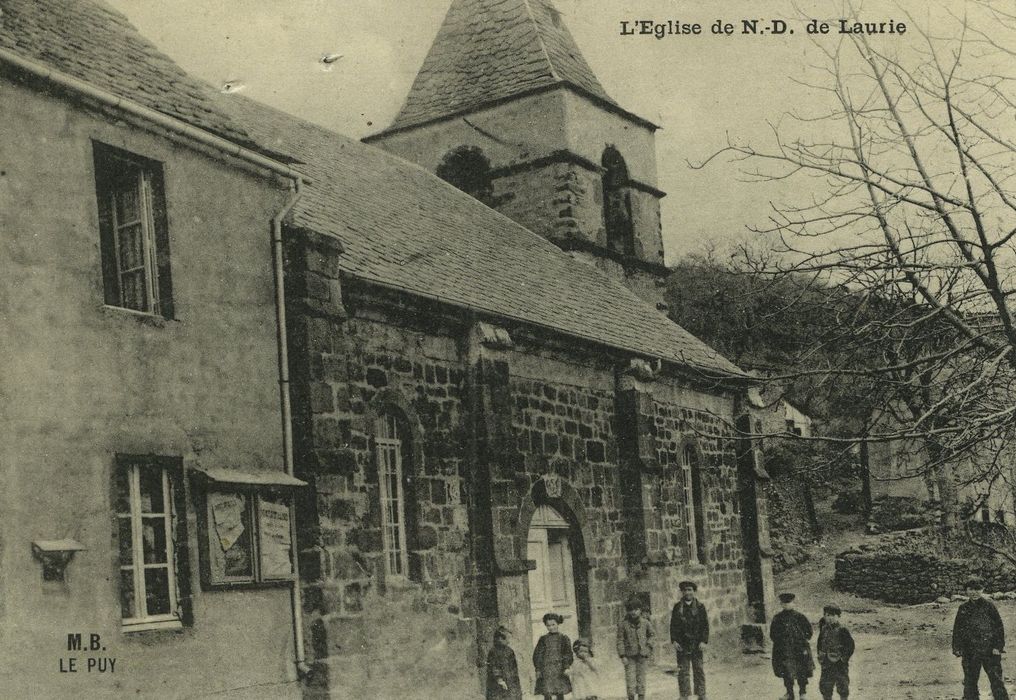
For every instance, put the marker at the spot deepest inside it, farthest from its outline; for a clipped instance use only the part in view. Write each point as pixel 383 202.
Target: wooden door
pixel 552 582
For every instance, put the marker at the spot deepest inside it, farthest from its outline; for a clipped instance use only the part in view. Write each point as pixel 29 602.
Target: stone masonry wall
pixel 559 201
pixel 488 432
pixel 568 430
pixel 721 576
pixel 921 565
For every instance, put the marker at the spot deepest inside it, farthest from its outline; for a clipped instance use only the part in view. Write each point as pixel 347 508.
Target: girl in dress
pixel 585 677
pixel 552 658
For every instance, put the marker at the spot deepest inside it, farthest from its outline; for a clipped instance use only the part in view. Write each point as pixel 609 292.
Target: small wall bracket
pixel 55 555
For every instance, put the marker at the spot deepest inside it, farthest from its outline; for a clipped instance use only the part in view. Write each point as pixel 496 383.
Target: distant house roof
pixel 94 43
pixel 491 50
pixel 403 227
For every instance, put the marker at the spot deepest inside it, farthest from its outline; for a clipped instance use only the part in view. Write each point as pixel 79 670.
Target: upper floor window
pixel 393 484
pixel 132 228
pixel 694 504
pixel 468 169
pixel 149 528
pixel 617 212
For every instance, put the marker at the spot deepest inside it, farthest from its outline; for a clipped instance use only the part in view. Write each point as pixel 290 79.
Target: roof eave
pixel 714 374
pixel 472 109
pixel 177 126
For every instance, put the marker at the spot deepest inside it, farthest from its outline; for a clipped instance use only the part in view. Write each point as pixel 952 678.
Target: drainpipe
pixel 302 669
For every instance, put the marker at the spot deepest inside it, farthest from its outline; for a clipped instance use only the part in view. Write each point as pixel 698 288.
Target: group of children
pixel 790 633
pixel 563 667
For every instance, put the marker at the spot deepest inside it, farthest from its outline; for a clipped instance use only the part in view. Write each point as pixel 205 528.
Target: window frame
pixel 254 495
pixel 389 441
pixel 115 169
pixel 694 502
pixel 618 217
pixel 174 519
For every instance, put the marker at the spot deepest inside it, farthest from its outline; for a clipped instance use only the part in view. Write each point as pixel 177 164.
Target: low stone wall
pixel 899 578
pixel 919 566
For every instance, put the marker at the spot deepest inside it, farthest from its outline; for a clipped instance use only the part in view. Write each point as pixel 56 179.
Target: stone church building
pixel 485 414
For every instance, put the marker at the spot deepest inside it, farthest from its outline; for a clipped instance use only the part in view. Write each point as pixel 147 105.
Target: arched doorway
pixel 552 582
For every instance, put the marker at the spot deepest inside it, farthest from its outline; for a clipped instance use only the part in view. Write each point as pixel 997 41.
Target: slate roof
pixel 488 50
pixel 403 227
pixel 94 43
pixel 400 225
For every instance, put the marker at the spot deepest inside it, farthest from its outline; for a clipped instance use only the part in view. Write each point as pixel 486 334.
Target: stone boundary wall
pixel 791 525
pixel 922 565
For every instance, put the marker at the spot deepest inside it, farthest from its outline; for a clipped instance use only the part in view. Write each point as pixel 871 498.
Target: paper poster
pixel 227 516
pixel 275 539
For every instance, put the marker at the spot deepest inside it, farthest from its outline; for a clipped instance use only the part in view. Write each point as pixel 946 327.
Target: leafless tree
pixel 911 208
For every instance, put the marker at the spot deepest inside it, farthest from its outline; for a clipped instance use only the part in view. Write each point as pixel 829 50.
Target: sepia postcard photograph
pixel 507 349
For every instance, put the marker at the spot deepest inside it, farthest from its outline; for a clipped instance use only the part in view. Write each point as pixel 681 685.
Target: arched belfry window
pixel 617 216
pixel 694 503
pixel 394 468
pixel 468 169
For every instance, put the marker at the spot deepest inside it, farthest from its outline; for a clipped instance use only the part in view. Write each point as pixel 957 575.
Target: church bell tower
pixel 506 108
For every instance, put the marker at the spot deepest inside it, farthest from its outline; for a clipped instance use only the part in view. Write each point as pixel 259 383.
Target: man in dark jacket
pixel 979 640
pixel 835 647
pixel 689 632
pixel 790 632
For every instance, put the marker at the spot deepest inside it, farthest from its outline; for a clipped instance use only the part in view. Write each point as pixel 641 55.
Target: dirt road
pixel 903 652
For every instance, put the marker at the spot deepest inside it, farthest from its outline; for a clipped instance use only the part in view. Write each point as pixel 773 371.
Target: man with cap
pixel 835 647
pixel 689 632
pixel 979 639
pixel 790 633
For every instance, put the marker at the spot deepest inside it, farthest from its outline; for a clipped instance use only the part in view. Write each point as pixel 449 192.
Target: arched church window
pixel 468 169
pixel 617 216
pixel 694 503
pixel 395 487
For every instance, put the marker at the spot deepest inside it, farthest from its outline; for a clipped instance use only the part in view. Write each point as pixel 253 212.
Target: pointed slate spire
pixel 490 50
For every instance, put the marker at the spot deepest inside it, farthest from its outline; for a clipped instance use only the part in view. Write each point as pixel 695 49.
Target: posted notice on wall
pixel 276 543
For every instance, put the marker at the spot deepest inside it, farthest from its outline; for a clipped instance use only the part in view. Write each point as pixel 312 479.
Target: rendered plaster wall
pixel 80 383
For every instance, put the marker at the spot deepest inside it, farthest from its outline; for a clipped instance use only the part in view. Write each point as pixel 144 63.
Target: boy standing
pixel 790 632
pixel 689 632
pixel 634 646
pixel 835 647
pixel 979 640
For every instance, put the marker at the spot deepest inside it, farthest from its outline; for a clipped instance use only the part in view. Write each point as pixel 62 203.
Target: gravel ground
pixel 903 652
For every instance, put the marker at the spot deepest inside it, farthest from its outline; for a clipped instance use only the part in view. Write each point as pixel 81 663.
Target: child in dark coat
pixel 552 658
pixel 790 633
pixel 835 647
pixel 502 669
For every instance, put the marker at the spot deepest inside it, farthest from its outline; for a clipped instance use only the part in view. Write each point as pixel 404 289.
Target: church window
pixel 467 169
pixel 391 443
pixel 617 214
pixel 694 505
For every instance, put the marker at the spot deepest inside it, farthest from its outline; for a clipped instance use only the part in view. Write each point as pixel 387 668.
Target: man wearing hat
pixel 689 632
pixel 835 647
pixel 979 639
pixel 790 633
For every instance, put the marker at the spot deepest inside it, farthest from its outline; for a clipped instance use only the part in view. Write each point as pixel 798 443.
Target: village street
pixel 903 652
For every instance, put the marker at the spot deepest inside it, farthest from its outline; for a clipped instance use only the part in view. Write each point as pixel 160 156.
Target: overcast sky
pixel 698 88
